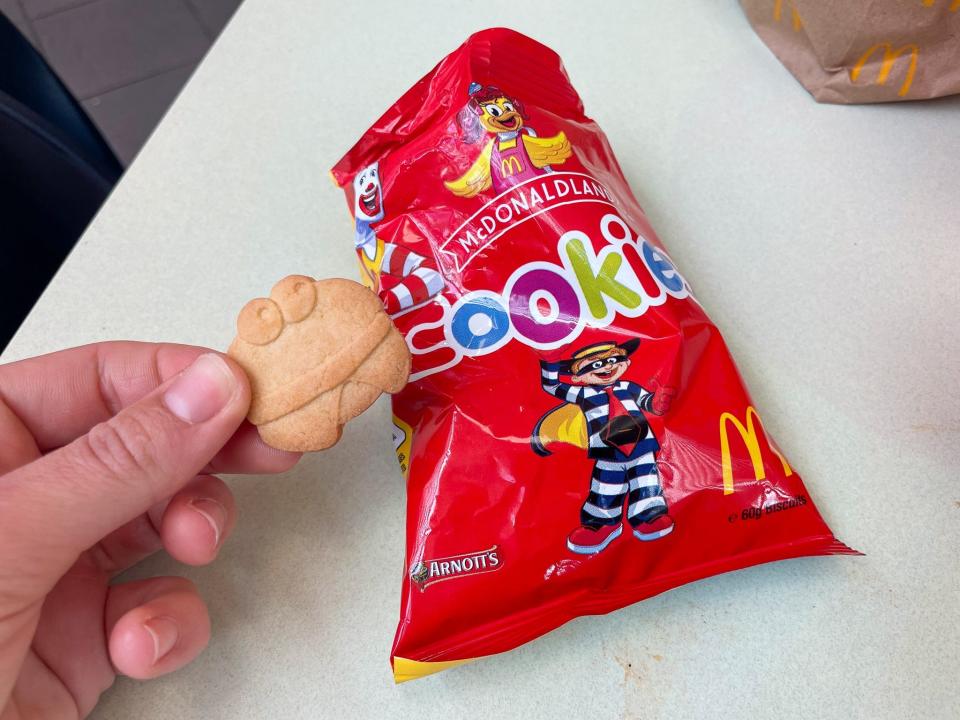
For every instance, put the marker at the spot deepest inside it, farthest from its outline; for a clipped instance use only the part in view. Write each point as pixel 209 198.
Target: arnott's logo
pixel 428 572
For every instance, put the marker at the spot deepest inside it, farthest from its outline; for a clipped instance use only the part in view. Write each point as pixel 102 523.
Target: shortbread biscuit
pixel 318 353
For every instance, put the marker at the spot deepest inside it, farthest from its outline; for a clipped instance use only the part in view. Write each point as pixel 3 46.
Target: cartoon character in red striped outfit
pixel 403 279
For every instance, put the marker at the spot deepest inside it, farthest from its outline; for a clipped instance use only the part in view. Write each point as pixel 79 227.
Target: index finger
pixel 60 396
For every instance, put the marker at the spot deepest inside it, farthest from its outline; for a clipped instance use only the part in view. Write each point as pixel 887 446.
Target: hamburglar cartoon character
pixel 400 277
pixel 605 415
pixel 514 154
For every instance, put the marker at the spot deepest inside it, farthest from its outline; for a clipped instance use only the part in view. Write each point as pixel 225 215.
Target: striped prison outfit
pixel 415 279
pixel 616 474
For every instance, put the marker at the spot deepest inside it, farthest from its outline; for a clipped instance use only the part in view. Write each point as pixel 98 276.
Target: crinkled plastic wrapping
pixel 575 436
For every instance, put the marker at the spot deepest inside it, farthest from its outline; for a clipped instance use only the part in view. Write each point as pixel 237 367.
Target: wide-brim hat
pixel 629 347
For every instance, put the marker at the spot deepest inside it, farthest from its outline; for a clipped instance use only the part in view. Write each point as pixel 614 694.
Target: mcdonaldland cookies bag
pixel 575 436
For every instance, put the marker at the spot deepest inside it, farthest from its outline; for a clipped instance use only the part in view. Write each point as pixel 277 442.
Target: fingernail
pixel 165 633
pixel 202 390
pixel 213 512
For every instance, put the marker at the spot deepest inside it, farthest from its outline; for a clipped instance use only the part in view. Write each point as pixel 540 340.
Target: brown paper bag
pixel 863 51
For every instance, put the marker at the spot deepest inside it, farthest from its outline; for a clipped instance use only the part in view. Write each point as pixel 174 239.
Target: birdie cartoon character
pixel 514 154
pixel 604 414
pixel 403 279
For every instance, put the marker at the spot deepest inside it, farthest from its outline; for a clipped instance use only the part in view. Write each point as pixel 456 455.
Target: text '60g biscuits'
pixel 318 353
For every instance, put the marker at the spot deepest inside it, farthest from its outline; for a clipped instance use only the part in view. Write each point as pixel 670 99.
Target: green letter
pixel 595 286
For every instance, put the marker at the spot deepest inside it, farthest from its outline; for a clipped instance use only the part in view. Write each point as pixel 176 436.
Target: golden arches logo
pixel 954 5
pixel 751 439
pixel 890 56
pixel 795 20
pixel 510 165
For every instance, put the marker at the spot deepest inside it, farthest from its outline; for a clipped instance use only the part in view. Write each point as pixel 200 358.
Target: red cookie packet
pixel 575 436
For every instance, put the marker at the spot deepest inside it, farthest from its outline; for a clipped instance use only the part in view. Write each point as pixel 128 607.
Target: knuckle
pixel 172 584
pixel 124 446
pixel 188 586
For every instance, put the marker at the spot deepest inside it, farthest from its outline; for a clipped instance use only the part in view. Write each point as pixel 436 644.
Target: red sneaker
pixel 655 529
pixel 587 541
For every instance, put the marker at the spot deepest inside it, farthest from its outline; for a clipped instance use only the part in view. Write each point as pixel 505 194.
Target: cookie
pixel 318 353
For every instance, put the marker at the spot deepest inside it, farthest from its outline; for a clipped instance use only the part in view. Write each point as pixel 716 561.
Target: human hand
pixel 105 452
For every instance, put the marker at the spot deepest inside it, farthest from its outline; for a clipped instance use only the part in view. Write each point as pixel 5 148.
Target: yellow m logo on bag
pixel 954 5
pixel 510 165
pixel 795 18
pixel 751 439
pixel 889 58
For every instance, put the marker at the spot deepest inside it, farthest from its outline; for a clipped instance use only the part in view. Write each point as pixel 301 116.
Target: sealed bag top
pixel 575 435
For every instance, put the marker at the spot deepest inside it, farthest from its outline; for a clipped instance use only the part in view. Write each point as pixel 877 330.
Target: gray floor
pixel 125 60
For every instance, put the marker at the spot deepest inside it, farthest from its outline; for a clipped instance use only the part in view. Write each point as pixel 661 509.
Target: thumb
pixel 63 503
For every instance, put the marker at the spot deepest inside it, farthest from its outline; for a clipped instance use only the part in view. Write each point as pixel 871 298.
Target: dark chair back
pixel 55 172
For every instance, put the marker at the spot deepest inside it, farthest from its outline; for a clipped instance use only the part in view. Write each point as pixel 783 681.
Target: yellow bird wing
pixel 547 150
pixel 476 179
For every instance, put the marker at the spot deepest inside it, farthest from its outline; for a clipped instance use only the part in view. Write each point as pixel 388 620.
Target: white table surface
pixel 822 239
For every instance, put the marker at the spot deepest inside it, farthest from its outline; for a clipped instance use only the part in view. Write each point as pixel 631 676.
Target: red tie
pixel 618 410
